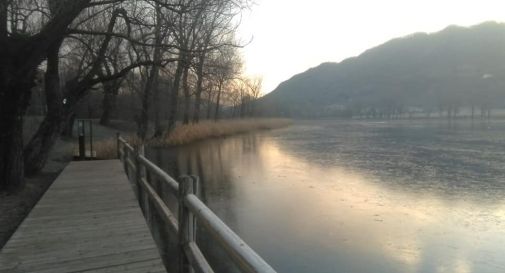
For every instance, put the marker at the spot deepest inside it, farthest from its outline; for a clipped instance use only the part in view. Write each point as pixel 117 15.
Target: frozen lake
pixel 358 196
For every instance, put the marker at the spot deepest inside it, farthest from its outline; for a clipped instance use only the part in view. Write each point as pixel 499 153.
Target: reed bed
pixel 188 133
pixel 107 148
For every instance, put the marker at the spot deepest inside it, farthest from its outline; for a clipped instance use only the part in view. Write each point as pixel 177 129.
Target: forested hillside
pixel 449 72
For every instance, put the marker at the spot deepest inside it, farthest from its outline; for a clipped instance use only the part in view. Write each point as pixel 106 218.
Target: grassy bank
pixel 188 133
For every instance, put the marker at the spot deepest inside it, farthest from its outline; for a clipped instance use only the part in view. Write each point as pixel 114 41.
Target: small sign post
pixel 85 138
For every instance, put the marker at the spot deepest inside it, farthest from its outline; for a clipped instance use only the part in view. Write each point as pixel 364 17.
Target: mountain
pixel 445 71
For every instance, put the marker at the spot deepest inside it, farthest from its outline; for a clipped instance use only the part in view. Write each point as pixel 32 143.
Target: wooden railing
pixel 191 210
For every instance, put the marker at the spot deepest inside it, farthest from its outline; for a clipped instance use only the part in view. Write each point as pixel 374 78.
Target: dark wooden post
pixel 196 191
pixel 81 137
pixel 149 205
pixel 125 156
pixel 139 150
pixel 185 224
pixel 90 139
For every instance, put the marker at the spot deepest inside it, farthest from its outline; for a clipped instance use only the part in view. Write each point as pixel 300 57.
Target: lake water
pixel 334 196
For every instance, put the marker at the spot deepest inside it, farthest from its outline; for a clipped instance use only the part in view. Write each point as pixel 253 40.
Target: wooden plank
pixel 88 221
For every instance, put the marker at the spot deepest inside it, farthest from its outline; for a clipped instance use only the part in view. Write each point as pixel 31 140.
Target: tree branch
pixel 125 70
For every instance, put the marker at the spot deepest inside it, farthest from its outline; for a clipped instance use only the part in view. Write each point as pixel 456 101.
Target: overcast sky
pixel 290 36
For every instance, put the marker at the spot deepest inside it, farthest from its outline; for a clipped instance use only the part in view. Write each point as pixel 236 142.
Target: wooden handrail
pixel 191 209
pixel 243 255
pixel 173 185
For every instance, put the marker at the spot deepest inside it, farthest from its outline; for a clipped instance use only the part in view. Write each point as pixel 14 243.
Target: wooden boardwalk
pixel 88 221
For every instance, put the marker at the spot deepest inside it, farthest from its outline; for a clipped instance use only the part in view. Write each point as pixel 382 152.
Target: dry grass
pixel 107 148
pixel 188 133
pixel 184 134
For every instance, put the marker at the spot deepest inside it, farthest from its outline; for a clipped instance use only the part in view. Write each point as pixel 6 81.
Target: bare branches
pixel 104 2
pixel 123 72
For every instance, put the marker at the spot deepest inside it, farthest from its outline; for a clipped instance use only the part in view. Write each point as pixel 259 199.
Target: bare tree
pixel 216 31
pixel 26 39
pixel 62 101
pixel 85 44
pixel 225 66
pixel 253 86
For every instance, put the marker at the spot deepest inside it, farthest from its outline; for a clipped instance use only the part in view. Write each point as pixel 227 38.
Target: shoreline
pixel 190 133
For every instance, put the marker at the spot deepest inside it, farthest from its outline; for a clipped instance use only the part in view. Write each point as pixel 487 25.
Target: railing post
pixel 147 201
pixel 192 219
pixel 139 150
pixel 185 224
pixel 90 139
pixel 81 132
pixel 125 157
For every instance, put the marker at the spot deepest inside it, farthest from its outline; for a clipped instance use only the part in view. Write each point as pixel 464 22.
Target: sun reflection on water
pixel 405 228
pixel 303 216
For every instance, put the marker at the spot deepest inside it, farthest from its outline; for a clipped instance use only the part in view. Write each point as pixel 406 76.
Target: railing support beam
pixel 186 224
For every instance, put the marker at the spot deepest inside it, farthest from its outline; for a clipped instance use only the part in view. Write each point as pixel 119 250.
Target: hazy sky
pixel 290 36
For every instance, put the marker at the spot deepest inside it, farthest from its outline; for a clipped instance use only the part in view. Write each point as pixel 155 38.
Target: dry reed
pixel 188 133
pixel 107 148
pixel 184 134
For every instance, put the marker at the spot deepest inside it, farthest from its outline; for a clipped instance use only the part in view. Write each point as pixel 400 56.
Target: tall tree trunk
pixel 20 58
pixel 216 113
pixel 199 88
pixel 143 120
pixel 14 98
pixel 109 101
pixel 68 125
pixel 242 106
pixel 151 85
pixel 209 104
pixel 106 107
pixel 37 150
pixel 11 143
pixel 187 95
pixel 174 96
pixel 58 121
pixel 158 127
pixel 17 78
